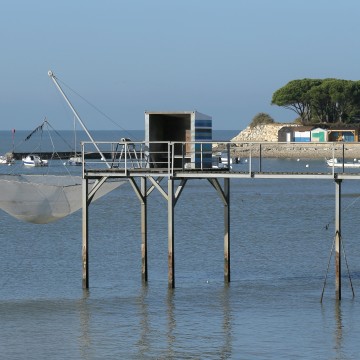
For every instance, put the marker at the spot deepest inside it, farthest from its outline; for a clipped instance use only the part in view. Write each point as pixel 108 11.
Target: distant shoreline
pixel 267 136
pixel 294 151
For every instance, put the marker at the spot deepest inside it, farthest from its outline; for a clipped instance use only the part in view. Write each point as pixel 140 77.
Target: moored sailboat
pixel 75 160
pixel 347 164
pixel 7 159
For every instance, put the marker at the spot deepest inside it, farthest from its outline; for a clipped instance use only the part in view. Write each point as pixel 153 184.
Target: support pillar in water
pixel 338 239
pixel 171 257
pixel 144 267
pixel 227 230
pixel 85 235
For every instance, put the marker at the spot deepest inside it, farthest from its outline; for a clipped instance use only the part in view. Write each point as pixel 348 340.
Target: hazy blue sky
pixel 223 58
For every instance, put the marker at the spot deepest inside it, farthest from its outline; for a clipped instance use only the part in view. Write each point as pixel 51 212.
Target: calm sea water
pixel 52 140
pixel 281 238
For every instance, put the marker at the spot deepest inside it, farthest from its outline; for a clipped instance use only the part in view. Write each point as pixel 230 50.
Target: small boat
pixel 220 161
pixel 75 161
pixel 7 159
pixel 347 164
pixel 34 160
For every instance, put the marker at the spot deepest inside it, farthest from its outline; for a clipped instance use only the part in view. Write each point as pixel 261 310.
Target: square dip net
pixel 41 199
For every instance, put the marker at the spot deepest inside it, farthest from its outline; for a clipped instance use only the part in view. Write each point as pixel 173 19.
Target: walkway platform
pixel 146 165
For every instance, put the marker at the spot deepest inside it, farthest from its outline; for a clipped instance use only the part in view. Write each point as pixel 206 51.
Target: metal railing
pixel 168 157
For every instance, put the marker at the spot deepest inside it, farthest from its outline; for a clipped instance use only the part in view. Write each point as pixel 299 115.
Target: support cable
pixel 97 109
pixel 327 270
pixel 347 267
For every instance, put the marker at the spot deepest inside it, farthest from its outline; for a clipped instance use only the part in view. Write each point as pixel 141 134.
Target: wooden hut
pixel 345 133
pixel 319 135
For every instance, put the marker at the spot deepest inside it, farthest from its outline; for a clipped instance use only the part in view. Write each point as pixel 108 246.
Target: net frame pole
pixel 53 78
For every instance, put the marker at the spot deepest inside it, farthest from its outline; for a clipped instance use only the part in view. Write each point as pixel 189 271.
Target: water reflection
pixel 223 346
pixel 84 338
pixel 171 323
pixel 338 334
pixel 227 323
pixel 338 328
pixel 144 341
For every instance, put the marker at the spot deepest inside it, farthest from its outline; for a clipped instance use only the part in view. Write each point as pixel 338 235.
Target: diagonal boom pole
pixel 53 78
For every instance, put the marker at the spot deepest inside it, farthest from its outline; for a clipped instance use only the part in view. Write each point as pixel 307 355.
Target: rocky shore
pixel 296 151
pixel 262 140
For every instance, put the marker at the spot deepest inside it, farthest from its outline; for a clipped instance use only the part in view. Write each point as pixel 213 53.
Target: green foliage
pixel 325 101
pixel 261 119
pixel 298 121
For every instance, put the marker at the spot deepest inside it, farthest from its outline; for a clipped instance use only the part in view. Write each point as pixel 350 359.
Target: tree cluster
pixel 321 100
pixel 261 119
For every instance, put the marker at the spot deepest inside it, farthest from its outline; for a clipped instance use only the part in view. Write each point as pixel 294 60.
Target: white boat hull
pixel 7 159
pixel 75 161
pixel 34 161
pixel 339 164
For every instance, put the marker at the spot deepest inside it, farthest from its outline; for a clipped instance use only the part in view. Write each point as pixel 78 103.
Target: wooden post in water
pixel 85 235
pixel 171 258
pixel 338 239
pixel 227 230
pixel 144 267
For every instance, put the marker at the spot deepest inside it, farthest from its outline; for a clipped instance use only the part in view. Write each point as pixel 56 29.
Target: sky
pixel 116 59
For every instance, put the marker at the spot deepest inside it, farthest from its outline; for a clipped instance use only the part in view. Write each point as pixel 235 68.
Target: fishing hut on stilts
pixel 179 147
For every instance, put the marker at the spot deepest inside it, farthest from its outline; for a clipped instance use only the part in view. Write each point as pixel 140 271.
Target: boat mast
pixel 75 137
pixel 53 78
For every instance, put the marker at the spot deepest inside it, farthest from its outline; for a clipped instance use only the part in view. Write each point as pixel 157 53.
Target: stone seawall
pixel 267 135
pixel 293 150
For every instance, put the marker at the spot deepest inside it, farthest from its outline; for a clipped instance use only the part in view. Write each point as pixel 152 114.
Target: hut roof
pixel 304 128
pixel 344 127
